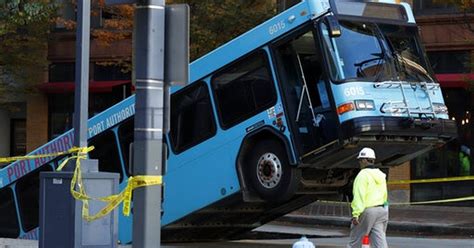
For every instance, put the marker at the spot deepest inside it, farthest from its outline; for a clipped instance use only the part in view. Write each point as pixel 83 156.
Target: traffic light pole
pixel 81 93
pixel 151 94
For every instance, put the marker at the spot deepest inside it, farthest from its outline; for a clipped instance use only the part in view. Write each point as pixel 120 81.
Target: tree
pixel 24 29
pixel 214 22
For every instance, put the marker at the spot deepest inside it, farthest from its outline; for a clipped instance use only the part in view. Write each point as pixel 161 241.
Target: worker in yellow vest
pixel 369 206
pixel 465 161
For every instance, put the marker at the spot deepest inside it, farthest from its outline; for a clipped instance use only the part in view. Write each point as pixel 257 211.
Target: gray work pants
pixel 373 222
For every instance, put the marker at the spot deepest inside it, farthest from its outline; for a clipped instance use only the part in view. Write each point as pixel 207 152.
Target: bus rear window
pixel 9 227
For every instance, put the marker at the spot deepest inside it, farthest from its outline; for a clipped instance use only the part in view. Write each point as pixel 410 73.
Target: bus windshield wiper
pixel 380 57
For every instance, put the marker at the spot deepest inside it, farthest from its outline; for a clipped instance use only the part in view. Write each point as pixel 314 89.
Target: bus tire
pixel 270 172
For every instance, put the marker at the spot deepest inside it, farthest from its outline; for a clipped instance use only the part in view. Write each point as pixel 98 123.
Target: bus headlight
pixel 346 107
pixel 440 108
pixel 358 105
pixel 365 105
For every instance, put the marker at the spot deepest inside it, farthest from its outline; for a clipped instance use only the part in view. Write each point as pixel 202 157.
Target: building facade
pixel 447 32
pixel 50 112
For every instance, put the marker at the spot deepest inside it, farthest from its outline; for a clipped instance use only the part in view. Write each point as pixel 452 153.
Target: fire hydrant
pixel 303 243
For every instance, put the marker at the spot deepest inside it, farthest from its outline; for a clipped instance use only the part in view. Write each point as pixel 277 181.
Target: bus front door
pixel 304 92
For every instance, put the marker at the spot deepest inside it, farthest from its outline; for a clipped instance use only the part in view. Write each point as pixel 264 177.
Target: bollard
pixel 365 242
pixel 303 243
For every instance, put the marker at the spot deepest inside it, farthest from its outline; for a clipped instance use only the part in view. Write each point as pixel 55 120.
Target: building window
pixel 192 119
pixel 62 72
pixel 433 7
pixel 450 61
pixel 66 12
pixel 110 72
pixel 18 137
pixel 243 89
pixel 61 107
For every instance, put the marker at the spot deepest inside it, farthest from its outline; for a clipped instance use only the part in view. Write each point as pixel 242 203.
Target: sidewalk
pixel 426 220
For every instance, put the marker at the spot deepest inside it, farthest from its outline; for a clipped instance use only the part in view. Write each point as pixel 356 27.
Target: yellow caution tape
pixel 113 200
pixel 466 198
pixel 432 180
pixel 73 150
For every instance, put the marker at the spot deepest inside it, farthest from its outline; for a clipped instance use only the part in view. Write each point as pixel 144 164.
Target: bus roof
pixel 269 30
pixel 257 37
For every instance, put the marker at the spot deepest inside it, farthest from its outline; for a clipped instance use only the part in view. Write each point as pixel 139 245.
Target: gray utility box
pixel 60 217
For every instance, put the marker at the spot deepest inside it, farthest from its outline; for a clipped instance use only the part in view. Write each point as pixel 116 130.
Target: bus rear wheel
pixel 270 172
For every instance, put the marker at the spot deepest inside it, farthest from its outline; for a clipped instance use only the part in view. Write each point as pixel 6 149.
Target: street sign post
pixel 161 38
pixel 66 220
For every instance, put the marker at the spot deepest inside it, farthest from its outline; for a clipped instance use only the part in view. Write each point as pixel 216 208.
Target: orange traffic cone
pixel 365 242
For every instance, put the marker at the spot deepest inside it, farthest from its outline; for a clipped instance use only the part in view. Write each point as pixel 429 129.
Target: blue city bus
pixel 271 121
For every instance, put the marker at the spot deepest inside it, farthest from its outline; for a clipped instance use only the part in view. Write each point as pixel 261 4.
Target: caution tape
pixel 74 150
pixel 80 194
pixel 417 181
pixel 459 199
pixel 432 180
pixel 467 198
pixel 113 200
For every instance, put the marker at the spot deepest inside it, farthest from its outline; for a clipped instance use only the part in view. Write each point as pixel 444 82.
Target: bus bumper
pixel 399 127
pixel 395 141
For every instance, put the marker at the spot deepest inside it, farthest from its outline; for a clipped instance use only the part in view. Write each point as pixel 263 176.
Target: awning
pixel 94 86
pixel 460 80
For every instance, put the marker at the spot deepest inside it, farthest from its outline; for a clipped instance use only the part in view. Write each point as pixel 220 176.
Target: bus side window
pixel 191 117
pixel 243 89
pixel 27 190
pixel 9 226
pixel 323 94
pixel 126 135
pixel 312 72
pixel 106 152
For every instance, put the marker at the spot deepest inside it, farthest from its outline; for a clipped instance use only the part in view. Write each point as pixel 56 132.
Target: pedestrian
pixel 369 206
pixel 465 161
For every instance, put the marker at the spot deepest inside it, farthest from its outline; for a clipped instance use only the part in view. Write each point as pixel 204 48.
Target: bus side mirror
pixel 334 29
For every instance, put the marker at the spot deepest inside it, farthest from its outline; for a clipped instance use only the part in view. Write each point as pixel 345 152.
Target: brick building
pixel 448 36
pixel 38 118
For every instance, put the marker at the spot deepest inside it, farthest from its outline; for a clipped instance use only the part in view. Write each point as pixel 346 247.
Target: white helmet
pixel 366 153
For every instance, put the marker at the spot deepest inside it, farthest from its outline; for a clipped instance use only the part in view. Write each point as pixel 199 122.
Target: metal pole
pixel 81 93
pixel 150 90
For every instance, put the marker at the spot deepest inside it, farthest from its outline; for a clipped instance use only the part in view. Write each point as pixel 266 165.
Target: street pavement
pixel 426 220
pixel 328 226
pixel 340 242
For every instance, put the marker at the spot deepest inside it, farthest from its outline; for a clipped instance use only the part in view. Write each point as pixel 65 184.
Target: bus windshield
pixel 373 52
pixel 404 47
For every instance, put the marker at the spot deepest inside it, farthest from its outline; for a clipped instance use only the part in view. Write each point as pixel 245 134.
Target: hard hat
pixel 466 150
pixel 366 153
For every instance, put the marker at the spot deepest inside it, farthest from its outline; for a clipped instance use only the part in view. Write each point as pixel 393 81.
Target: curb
pixel 393 226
